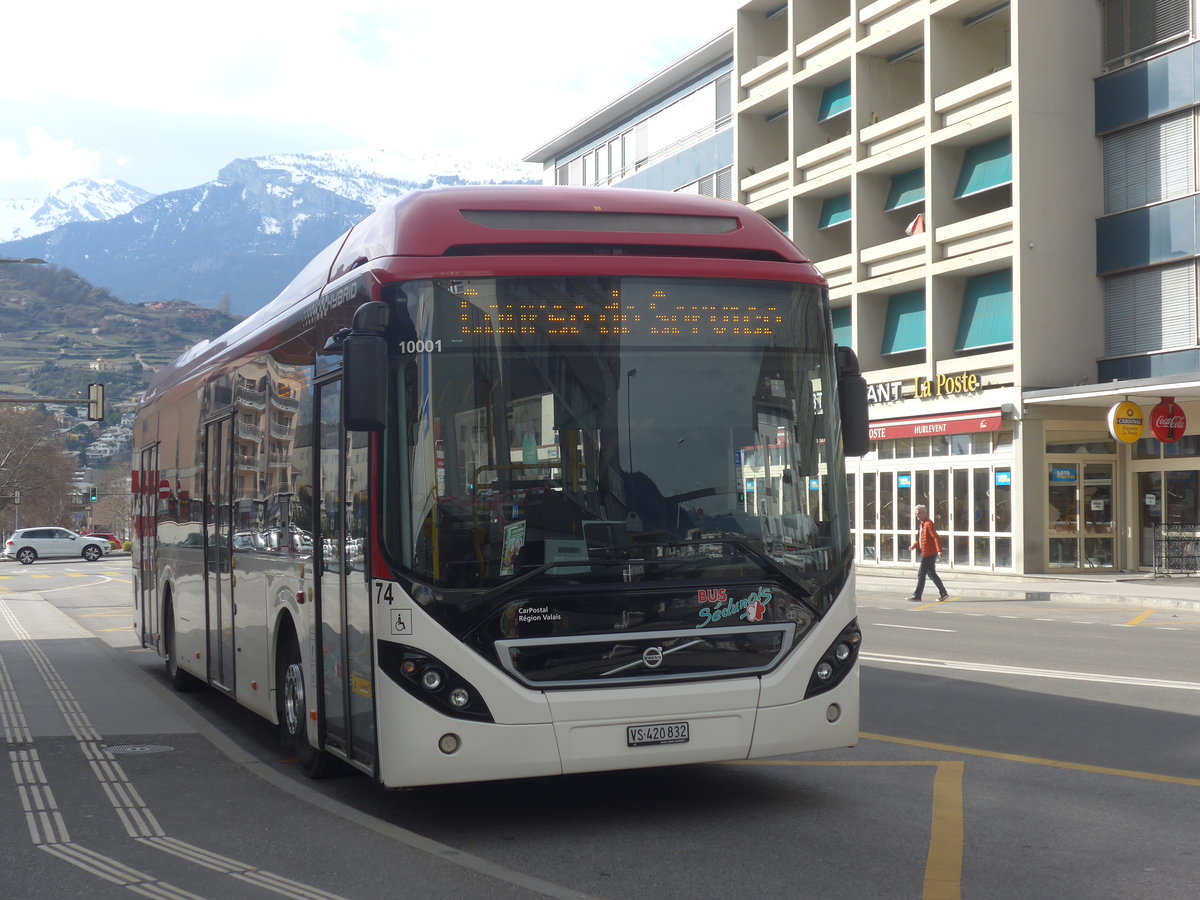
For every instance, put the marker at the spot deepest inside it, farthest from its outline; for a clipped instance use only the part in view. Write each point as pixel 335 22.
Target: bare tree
pixel 33 462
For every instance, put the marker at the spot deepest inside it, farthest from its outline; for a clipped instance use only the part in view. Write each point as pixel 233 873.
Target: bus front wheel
pixel 293 712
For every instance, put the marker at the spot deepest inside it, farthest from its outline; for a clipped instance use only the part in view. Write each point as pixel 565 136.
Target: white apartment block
pixel 981 182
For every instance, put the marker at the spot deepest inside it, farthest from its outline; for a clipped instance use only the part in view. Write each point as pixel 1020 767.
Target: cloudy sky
pixel 162 95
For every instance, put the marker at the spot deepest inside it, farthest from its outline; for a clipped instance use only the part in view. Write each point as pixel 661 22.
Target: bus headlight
pixel 836 662
pixel 431 680
pixel 459 698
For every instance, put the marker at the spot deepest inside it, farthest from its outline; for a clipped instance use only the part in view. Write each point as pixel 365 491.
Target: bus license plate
pixel 664 733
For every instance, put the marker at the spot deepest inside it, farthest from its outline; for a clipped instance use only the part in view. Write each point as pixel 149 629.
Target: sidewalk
pixel 1140 588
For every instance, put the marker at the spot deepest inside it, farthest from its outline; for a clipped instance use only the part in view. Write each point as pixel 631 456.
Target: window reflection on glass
pixel 1003 491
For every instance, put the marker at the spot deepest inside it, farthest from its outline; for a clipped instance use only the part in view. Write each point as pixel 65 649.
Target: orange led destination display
pixel 652 318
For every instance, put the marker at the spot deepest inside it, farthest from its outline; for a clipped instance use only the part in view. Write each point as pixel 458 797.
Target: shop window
pixel 1079 442
pixel 1188 445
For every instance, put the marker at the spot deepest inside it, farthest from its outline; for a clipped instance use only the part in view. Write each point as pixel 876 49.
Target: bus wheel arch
pixel 291 704
pixel 180 680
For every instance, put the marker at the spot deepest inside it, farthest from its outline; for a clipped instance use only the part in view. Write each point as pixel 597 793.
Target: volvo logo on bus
pixel 652 657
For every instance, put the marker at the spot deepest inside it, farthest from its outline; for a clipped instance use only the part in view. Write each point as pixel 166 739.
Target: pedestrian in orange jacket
pixel 930 546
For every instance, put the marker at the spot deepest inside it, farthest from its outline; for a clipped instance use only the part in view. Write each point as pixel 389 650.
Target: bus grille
pixel 640 657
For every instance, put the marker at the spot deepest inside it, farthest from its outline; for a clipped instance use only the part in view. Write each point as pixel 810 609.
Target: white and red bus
pixel 511 482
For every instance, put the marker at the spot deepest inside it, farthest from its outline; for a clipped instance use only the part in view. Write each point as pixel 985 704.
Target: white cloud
pixel 499 78
pixel 43 159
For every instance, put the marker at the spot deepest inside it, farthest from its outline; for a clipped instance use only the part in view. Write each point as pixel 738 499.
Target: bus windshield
pixel 547 426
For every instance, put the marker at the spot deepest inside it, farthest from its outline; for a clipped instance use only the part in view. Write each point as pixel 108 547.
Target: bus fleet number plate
pixel 666 733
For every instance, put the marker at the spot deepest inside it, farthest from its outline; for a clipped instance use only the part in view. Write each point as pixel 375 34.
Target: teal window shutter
pixel 841 326
pixel 904 329
pixel 986 319
pixel 834 211
pixel 985 166
pixel 835 100
pixel 907 188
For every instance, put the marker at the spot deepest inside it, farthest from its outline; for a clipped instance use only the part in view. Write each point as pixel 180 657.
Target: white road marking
pixel 912 627
pixel 927 663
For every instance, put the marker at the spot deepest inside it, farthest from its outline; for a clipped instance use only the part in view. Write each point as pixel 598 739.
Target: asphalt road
pixel 1009 750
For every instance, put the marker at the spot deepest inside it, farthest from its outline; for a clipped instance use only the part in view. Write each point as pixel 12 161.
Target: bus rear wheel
pixel 293 714
pixel 180 680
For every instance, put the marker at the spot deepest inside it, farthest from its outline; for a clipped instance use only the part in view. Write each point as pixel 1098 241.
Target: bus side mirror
pixel 852 400
pixel 365 370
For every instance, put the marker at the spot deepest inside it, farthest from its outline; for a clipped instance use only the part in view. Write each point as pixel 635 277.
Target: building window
pixel 986 318
pixel 985 166
pixel 835 101
pixel 1151 162
pixel 1132 28
pixel 907 189
pixel 904 329
pixel 841 326
pixel 1150 310
pixel 834 211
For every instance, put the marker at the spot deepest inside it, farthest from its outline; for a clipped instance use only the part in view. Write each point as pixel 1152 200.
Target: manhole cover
pixel 139 748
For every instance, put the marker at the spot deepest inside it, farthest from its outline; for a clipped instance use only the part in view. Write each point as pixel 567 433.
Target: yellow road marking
pixel 1034 760
pixel 117 614
pixel 1140 618
pixel 122 628
pixel 943 862
pixel 936 603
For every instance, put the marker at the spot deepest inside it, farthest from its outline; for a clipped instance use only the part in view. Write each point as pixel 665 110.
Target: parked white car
pixel 30 544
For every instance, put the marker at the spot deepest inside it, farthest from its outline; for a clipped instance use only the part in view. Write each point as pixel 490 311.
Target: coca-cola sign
pixel 1167 421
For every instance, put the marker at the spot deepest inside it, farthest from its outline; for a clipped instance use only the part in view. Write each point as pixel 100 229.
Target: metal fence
pixel 1177 549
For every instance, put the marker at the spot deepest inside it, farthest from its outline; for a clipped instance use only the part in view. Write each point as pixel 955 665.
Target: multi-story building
pixel 983 184
pixel 673 132
pixel 1003 197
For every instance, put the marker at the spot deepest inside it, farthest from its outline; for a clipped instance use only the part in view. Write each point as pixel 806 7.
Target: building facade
pixel 1003 197
pixel 996 193
pixel 674 132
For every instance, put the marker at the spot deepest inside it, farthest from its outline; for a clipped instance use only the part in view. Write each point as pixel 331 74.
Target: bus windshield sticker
pixel 752 608
pixel 401 620
pixel 514 542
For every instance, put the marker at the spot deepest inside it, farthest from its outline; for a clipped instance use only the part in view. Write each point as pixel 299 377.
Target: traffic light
pixel 95 402
pixel 94 495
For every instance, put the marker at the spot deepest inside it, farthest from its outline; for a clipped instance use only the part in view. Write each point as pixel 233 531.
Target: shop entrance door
pixel 1080 531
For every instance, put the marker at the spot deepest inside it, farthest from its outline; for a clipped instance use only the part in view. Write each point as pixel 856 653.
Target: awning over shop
pixel 973 422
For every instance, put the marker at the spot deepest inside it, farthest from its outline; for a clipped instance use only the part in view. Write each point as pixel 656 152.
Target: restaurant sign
pixel 974 422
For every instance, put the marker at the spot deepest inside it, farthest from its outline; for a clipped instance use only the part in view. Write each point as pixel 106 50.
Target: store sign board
pixel 1167 421
pixel 926 426
pixel 1126 422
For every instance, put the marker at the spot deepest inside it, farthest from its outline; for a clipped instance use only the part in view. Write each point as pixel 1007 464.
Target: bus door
pixel 344 595
pixel 218 551
pixel 145 523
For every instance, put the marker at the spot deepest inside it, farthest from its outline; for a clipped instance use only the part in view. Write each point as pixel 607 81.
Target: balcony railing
pixel 981 233
pixel 990 94
pixel 763 187
pixel 825 47
pixel 838 271
pixel 894 256
pixel 765 79
pixel 249 397
pixel 824 160
pixel 895 134
pixel 890 16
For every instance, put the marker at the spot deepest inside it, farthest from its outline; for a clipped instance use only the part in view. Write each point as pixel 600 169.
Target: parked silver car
pixel 29 544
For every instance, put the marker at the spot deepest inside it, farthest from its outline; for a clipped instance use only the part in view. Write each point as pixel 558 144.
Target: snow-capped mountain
pixel 84 200
pixel 244 235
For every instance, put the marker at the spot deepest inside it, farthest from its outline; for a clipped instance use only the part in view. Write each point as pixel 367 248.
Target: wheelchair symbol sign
pixel 401 620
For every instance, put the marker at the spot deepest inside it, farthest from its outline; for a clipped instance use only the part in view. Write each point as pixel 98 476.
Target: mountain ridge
pixel 238 240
